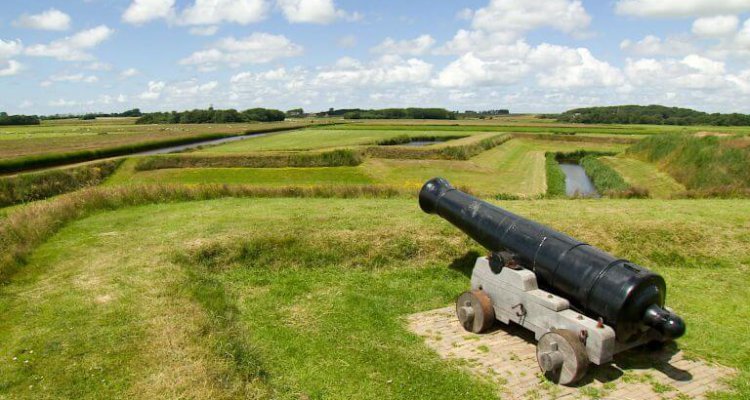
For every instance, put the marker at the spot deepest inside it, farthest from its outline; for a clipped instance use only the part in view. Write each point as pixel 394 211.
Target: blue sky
pixel 527 55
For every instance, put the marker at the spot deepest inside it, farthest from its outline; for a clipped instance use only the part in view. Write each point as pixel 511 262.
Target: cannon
pixel 582 304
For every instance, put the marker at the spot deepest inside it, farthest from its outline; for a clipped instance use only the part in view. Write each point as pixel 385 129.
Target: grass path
pixel 643 174
pixel 291 298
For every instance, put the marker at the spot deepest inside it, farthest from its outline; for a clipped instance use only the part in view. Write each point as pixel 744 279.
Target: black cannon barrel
pixel 626 296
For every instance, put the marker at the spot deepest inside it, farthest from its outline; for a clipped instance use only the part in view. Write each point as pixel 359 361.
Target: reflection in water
pixel 183 147
pixel 577 182
pixel 420 143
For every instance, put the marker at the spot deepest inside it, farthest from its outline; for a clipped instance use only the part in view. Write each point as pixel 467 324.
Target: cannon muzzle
pixel 627 296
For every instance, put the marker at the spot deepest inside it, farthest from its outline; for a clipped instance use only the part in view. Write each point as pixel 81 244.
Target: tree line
pixel 652 115
pixel 396 113
pixel 6 119
pixel 211 116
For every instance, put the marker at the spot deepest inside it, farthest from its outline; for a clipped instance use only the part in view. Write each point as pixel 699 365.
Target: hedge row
pixel 335 158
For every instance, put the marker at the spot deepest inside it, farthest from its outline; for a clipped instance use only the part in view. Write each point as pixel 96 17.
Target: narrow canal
pixel 577 183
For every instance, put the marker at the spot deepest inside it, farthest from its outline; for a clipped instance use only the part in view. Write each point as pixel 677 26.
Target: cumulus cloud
pixel 50 20
pixel 692 72
pixel 142 11
pixel 10 67
pixel 72 48
pixel 717 26
pixel 680 8
pixel 257 48
pixel 200 12
pixel 564 67
pixel 509 19
pixel 414 47
pixel 153 91
pixel 314 11
pixel 74 78
pixel 469 71
pixel 10 48
pixel 654 46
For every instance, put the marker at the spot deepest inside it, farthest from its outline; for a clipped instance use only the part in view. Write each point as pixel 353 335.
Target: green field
pixel 282 298
pixel 294 282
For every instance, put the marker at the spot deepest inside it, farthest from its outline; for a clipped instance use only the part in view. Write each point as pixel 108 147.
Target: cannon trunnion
pixel 583 304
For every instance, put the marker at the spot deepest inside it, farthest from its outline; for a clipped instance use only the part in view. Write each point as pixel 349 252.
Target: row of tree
pixel 653 114
pixel 211 116
pixel 129 113
pixel 6 119
pixel 396 113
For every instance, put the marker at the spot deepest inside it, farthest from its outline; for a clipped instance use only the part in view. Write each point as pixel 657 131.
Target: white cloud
pixel 314 11
pixel 129 73
pixel 564 67
pixel 509 19
pixel 471 71
pixel 384 71
pixel 74 78
pixel 717 26
pixel 257 48
pixel 10 48
pixel 415 47
pixel 10 67
pixel 465 14
pixel 142 11
pixel 204 30
pixel 50 20
pixel 681 8
pixel 692 72
pixel 212 12
pixel 654 46
pixel 153 92
pixel 72 48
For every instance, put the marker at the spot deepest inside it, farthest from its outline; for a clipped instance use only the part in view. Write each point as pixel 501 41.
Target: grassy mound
pixel 460 152
pixel 335 158
pixel 41 185
pixel 705 165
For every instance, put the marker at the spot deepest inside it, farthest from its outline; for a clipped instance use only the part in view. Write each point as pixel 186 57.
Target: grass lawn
pixel 646 175
pixel 305 298
pixel 309 139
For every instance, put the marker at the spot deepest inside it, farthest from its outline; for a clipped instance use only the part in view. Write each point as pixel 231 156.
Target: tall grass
pixel 25 228
pixel 607 181
pixel 568 136
pixel 555 176
pixel 462 152
pixel 41 185
pixel 335 158
pixel 705 165
pixel 56 159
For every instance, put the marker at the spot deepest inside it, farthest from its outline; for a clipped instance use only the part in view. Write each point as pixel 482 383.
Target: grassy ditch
pixel 41 185
pixel 406 139
pixel 56 159
pixel 335 158
pixel 462 152
pixel 707 166
pixel 555 176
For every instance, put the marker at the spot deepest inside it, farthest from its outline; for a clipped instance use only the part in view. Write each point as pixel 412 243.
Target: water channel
pixel 577 183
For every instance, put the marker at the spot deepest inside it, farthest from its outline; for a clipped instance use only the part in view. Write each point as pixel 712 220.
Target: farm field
pixel 282 298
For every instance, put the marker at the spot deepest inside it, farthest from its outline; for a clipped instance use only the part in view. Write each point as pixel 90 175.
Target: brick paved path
pixel 507 356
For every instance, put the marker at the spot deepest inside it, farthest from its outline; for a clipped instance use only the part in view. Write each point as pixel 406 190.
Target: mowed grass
pixel 645 175
pixel 255 176
pixel 310 139
pixel 515 167
pixel 306 298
